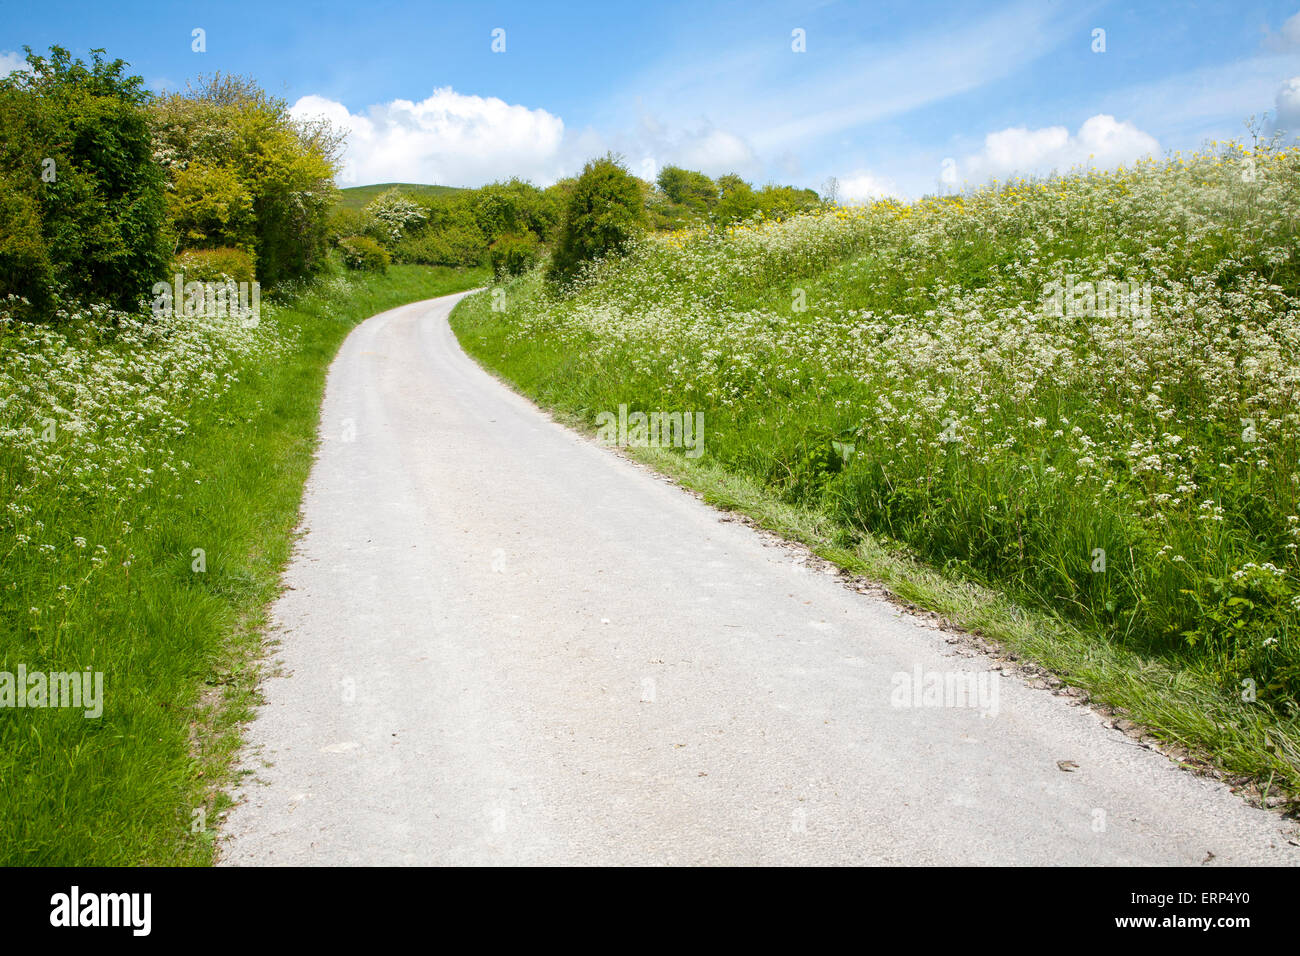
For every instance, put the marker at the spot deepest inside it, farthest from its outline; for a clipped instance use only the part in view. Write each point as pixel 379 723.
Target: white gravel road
pixel 503 643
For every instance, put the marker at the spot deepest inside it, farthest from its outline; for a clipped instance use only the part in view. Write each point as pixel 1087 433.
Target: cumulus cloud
pixel 653 145
pixel 456 139
pixel 865 187
pixel 1102 142
pixel 1288 106
pixel 715 151
pixel 10 61
pixel 449 138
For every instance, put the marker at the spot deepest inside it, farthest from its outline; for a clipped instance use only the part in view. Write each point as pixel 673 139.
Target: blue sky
pixel 889 97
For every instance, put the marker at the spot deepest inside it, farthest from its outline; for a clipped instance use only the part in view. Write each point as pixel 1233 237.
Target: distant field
pixel 355 197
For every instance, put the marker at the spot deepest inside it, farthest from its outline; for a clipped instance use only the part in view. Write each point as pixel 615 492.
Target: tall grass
pixel 1125 461
pixel 169 438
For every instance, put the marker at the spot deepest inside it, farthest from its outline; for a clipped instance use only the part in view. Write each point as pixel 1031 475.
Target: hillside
pixel 356 197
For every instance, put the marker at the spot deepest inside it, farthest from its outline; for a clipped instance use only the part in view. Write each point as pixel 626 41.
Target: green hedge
pixel 362 252
pixel 214 265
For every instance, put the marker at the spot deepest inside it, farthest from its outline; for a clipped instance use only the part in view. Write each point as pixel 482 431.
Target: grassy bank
pixel 1062 412
pixel 151 476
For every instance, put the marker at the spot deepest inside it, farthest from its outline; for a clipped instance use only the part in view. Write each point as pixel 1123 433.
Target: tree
pixel 25 267
pixel 513 255
pixel 211 208
pixel 686 187
pixel 80 182
pixel 285 166
pixel 516 208
pixel 449 234
pixel 737 201
pixel 831 190
pixel 778 202
pixel 603 217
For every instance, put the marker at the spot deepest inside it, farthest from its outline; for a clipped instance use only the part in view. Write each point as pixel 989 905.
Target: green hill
pixel 355 197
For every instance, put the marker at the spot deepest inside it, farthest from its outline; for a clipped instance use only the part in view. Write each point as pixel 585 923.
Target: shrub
pixel 516 207
pixel 362 252
pixel 215 265
pixel 344 222
pixel 395 214
pixel 781 202
pixel 77 168
pixel 605 213
pixel 459 228
pixel 25 267
pixel 284 165
pixel 738 200
pixel 513 254
pixel 210 208
pixel 686 187
pixel 448 246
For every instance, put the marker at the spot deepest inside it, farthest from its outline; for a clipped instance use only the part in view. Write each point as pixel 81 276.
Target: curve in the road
pixel 502 643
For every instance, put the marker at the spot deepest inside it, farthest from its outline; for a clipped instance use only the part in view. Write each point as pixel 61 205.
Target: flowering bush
pixel 244 172
pixel 395 212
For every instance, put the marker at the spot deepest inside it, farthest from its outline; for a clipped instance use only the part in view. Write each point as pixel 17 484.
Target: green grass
pixel 356 197
pixel 179 649
pixel 1109 491
pixel 1184 707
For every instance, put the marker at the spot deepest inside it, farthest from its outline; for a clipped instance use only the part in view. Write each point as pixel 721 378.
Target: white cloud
pixel 449 139
pixel 11 62
pixel 1288 38
pixel 653 144
pixel 715 152
pixel 1191 106
pixel 1288 105
pixel 782 102
pixel 1101 142
pixel 864 187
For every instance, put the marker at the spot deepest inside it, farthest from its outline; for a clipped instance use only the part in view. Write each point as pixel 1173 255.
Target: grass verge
pixel 173 609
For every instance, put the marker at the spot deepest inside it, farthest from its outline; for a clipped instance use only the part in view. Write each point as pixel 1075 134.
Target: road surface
pixel 502 643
